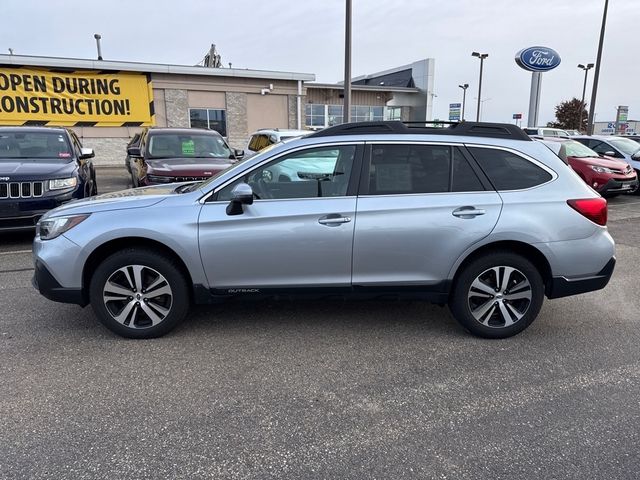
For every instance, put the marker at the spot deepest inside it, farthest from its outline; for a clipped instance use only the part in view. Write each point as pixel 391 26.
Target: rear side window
pixel 410 169
pixel 405 169
pixel 508 171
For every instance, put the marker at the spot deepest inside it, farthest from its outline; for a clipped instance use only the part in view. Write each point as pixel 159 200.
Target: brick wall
pixel 237 133
pixel 109 151
pixel 177 108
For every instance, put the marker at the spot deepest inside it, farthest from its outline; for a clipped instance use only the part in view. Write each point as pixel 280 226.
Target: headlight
pixel 60 183
pixel 159 179
pixel 602 169
pixel 54 227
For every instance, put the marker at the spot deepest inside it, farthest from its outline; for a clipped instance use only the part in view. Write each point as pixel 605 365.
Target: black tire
pixel 94 184
pixel 463 298
pixel 168 309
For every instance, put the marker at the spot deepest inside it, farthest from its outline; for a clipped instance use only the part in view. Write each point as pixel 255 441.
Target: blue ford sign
pixel 538 59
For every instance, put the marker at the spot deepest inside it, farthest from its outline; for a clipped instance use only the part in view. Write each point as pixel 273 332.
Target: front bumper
pixel 49 287
pixel 23 213
pixel 563 287
pixel 619 186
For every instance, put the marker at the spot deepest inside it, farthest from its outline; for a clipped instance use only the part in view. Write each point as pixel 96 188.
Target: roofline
pixel 87 64
pixel 373 88
pixel 389 71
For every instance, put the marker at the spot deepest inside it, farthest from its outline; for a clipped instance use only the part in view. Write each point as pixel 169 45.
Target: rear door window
pixel 413 169
pixel 508 171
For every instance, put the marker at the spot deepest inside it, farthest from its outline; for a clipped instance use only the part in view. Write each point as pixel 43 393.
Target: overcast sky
pixel 308 35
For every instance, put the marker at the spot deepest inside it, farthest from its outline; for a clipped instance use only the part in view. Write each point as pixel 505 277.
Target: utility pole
pixel 346 111
pixel 596 76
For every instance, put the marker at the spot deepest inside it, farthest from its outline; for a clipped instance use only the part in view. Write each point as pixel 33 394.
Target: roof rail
pixel 470 129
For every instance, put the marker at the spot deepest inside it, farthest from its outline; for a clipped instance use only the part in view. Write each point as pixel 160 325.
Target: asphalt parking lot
pixel 322 390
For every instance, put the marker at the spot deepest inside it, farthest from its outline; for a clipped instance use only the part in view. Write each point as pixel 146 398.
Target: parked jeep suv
pixel 476 215
pixel 167 155
pixel 40 169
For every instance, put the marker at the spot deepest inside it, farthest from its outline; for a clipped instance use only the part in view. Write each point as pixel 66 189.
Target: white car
pixel 269 136
pixel 546 132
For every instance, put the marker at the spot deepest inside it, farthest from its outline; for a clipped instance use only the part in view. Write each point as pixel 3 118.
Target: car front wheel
pixel 139 294
pixel 497 295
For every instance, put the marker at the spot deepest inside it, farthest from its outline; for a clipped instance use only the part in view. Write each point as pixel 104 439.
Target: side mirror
pixel 242 194
pixel 635 156
pixel 610 153
pixel 86 153
pixel 134 152
pixel 238 153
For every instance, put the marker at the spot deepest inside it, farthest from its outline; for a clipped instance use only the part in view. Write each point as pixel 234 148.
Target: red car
pixel 606 175
pixel 167 155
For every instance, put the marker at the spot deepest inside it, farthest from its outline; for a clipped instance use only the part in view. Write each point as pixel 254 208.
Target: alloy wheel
pixel 499 297
pixel 137 296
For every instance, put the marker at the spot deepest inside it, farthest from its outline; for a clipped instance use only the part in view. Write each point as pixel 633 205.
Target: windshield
pixel 34 145
pixel 626 146
pixel 187 145
pixel 577 149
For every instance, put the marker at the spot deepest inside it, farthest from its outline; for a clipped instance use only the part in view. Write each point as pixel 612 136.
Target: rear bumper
pixel 563 287
pixel 49 287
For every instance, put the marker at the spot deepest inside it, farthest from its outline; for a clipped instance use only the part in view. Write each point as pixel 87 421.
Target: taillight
pixel 595 209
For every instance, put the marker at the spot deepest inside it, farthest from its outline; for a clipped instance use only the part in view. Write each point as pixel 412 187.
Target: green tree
pixel 568 115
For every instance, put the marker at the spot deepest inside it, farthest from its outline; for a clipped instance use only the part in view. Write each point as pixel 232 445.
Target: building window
pixel 320 116
pixel 393 113
pixel 211 119
pixel 334 114
pixel 314 115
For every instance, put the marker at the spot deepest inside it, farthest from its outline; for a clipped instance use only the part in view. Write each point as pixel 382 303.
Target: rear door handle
pixel 333 220
pixel 468 212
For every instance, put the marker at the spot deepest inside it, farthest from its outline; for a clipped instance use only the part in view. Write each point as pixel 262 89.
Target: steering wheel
pixel 260 189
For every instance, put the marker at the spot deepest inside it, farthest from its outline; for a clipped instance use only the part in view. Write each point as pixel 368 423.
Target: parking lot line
pixel 15 251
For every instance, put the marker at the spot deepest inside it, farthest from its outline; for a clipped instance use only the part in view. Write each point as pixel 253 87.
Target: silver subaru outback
pixel 475 215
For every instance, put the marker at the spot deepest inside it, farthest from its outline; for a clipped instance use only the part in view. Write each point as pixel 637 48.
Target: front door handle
pixel 333 220
pixel 468 212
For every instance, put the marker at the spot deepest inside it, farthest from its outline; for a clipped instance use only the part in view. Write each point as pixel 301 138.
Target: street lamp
pixel 464 97
pixel 584 90
pixel 481 56
pixel 596 74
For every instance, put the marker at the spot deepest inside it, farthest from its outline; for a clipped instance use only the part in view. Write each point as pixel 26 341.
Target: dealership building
pixel 106 102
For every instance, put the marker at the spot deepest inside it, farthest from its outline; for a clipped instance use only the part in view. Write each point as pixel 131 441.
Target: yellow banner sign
pixel 80 98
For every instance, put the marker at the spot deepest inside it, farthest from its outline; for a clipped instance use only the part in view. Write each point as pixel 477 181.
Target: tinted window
pixel 399 169
pixel 311 173
pixel 508 171
pixel 601 147
pixel 464 178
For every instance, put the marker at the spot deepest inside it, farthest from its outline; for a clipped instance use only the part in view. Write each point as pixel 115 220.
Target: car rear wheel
pixel 497 295
pixel 139 294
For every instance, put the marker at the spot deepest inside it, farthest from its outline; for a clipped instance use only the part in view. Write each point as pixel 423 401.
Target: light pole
pixel 464 96
pixel 584 90
pixel 97 36
pixel 596 75
pixel 346 114
pixel 481 56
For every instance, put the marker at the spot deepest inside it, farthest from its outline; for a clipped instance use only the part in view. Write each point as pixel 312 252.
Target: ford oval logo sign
pixel 538 59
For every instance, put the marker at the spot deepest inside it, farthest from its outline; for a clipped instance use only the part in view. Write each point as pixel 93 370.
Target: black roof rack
pixel 470 129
